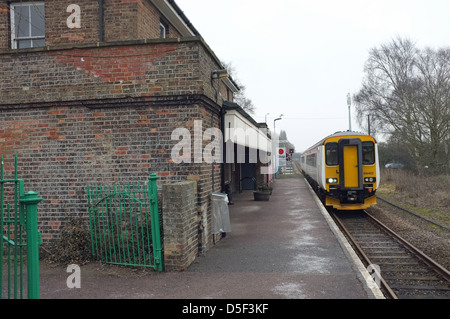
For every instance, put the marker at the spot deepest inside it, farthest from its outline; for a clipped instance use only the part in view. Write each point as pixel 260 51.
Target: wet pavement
pixel 282 248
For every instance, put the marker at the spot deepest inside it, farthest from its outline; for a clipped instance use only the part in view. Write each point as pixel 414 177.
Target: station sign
pixel 281 157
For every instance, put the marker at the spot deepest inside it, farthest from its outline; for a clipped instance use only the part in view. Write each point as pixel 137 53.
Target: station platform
pixel 284 248
pixel 287 247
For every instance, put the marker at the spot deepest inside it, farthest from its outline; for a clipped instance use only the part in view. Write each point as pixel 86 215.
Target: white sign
pixel 281 157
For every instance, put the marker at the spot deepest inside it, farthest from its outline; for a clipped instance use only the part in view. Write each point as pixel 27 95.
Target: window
pixel 27 25
pixel 163 28
pixel 311 160
pixel 162 31
pixel 368 153
pixel 331 154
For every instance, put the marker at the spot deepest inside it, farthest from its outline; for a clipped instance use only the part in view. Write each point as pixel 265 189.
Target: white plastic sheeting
pixel 220 213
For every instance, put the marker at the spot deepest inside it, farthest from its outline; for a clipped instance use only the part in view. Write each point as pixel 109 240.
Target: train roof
pixel 340 133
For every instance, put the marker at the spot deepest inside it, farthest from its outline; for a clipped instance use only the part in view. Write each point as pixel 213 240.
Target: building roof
pixel 183 16
pixel 234 106
pixel 176 16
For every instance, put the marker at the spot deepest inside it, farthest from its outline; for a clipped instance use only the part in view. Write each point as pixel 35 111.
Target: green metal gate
pixel 20 238
pixel 124 223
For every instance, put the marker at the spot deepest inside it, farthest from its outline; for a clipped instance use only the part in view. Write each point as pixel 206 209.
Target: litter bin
pixel 220 213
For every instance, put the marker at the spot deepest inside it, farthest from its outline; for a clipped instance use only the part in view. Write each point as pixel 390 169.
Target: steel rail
pixel 368 262
pixel 436 267
pixel 429 261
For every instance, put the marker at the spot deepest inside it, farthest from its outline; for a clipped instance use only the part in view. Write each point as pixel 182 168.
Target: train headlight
pixel 369 179
pixel 332 180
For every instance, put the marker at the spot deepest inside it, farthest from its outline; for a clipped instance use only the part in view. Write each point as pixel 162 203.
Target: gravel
pixel 433 240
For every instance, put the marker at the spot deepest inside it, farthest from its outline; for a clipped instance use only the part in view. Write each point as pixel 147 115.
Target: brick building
pixel 90 93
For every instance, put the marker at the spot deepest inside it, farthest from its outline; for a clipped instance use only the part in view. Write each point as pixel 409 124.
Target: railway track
pixel 403 271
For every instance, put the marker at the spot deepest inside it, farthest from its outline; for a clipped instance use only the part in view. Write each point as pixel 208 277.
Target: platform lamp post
pixel 276 153
pixel 277 119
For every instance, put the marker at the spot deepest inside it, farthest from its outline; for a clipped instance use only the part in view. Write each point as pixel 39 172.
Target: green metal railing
pixel 124 224
pixel 20 238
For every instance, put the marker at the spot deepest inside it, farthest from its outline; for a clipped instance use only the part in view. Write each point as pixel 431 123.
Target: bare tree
pixel 241 96
pixel 406 92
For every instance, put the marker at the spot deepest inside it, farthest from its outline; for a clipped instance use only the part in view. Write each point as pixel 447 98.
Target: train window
pixel 311 160
pixel 331 151
pixel 368 153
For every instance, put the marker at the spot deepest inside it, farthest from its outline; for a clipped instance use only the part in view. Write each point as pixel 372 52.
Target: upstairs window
pixel 162 31
pixel 163 28
pixel 27 25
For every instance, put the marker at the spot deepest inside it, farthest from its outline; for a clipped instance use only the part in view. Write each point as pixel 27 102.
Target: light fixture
pixel 277 119
pixel 217 74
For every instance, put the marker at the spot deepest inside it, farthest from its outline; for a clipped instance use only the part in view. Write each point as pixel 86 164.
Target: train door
pixel 351 179
pixel 350 153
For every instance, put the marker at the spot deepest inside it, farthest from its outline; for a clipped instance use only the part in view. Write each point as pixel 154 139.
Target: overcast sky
pixel 300 58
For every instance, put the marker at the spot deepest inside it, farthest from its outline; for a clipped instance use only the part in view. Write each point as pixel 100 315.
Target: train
pixel 344 170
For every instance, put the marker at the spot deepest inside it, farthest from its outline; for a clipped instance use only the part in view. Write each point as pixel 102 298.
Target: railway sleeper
pixel 419 287
pixel 384 248
pixel 407 276
pixel 419 278
pixel 409 268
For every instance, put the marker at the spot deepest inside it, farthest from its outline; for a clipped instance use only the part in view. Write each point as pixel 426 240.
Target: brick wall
pixel 181 223
pixel 123 20
pixel 63 149
pixel 4 26
pixel 76 118
pixel 160 67
pixel 56 30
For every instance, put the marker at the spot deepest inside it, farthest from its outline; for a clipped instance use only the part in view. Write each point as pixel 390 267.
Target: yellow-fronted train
pixel 343 168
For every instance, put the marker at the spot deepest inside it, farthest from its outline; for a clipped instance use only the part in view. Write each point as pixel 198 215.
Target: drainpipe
pixel 212 164
pixel 224 149
pixel 100 21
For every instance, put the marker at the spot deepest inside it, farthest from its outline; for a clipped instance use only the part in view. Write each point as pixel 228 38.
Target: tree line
pixel 406 93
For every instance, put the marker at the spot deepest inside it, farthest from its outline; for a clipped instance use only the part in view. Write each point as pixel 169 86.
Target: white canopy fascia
pixel 241 131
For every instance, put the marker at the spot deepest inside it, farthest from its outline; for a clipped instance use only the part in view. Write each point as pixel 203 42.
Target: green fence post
pixel 30 200
pixel 154 213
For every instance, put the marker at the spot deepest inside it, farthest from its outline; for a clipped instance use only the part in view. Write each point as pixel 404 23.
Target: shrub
pixel 418 190
pixel 73 246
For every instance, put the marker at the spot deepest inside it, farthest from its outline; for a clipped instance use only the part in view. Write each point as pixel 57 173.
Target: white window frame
pixel 162 31
pixel 14 38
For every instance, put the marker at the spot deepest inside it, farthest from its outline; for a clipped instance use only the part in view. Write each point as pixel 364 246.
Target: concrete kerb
pixel 357 265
